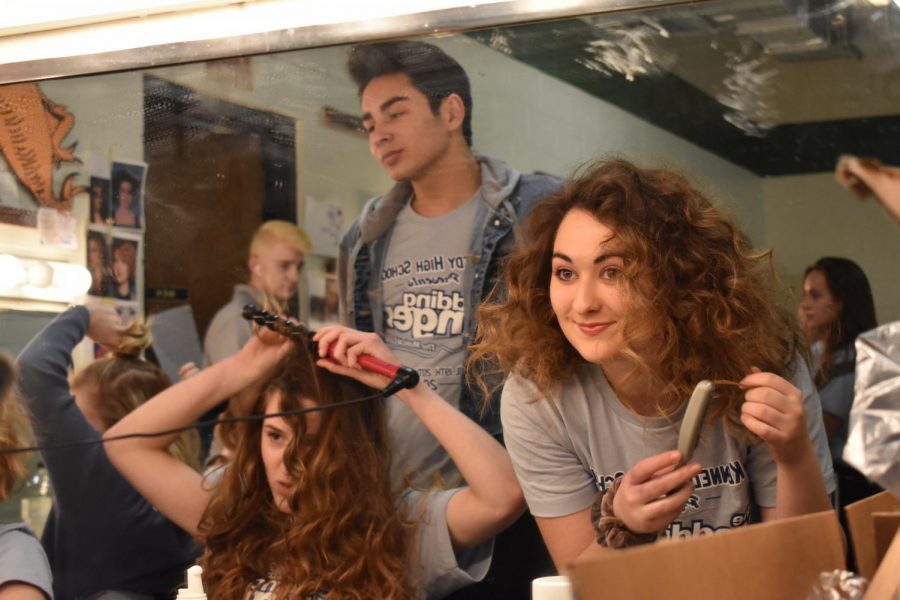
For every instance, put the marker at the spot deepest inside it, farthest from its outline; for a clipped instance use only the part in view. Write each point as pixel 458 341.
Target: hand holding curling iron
pixel 331 346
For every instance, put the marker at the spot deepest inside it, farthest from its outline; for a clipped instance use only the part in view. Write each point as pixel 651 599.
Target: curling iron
pixel 401 377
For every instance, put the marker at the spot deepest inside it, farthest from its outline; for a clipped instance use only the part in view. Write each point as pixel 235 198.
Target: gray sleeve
pixel 763 470
pixel 22 559
pixel 226 336
pixel 441 570
pixel 553 479
pixel 837 396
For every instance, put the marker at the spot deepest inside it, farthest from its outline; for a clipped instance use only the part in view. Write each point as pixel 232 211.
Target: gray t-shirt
pixel 568 447
pixel 436 569
pixel 424 311
pixel 229 331
pixel 22 558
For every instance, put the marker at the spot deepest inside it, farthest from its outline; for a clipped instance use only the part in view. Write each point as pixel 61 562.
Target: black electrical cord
pixel 403 378
pixel 208 423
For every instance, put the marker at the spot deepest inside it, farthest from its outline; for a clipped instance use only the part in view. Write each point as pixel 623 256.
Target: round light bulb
pixel 39 274
pixel 74 280
pixel 12 271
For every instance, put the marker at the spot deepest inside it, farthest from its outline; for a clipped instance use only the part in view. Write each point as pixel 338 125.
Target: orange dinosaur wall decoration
pixel 32 128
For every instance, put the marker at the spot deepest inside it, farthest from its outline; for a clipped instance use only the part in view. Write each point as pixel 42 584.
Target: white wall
pixel 537 122
pixel 810 216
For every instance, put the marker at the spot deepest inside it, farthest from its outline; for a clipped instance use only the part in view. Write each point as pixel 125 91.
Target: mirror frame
pixel 300 32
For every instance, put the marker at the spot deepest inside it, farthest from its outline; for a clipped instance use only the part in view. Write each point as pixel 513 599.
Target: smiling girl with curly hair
pixel 627 289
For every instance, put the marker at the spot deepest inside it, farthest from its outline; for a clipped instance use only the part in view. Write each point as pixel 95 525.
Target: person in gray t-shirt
pixel 419 259
pixel 630 287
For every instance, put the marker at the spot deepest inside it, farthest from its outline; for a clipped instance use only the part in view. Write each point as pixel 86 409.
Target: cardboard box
pixel 776 560
pixel 873 523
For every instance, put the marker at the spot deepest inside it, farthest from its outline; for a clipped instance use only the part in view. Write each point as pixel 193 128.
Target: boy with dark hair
pixel 420 259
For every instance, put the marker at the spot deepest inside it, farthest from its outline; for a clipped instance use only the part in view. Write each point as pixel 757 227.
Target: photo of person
pixel 98 263
pixel 124 265
pixel 128 194
pixel 100 192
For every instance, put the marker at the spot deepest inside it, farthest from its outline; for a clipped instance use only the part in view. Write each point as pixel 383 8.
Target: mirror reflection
pixel 190 191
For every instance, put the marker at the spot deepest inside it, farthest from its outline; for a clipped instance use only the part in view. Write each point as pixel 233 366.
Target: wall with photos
pixel 108 126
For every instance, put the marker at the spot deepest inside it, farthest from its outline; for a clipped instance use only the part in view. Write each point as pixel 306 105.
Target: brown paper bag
pixel 776 560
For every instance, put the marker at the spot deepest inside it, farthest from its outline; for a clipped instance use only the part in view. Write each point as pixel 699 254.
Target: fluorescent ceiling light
pixel 43 15
pixel 223 20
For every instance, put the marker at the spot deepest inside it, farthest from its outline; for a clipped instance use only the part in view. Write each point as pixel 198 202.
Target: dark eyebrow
pixel 597 261
pixel 384 106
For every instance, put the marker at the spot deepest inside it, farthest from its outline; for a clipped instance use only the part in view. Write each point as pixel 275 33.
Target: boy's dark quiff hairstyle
pixel 431 70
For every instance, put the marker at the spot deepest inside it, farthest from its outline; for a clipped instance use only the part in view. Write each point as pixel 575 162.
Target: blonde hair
pixel 14 430
pixel 279 231
pixel 123 381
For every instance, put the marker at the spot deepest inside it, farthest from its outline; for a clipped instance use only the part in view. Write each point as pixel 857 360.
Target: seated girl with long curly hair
pixel 627 289
pixel 305 508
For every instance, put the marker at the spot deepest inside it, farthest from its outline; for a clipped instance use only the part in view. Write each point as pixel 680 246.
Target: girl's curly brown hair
pixel 14 430
pixel 702 300
pixel 343 536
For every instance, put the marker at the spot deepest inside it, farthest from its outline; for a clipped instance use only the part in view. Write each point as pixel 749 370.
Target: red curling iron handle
pixel 372 364
pixel 401 377
pixel 376 365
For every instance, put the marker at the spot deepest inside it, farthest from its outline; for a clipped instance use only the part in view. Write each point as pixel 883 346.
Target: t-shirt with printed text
pixel 424 311
pixel 568 447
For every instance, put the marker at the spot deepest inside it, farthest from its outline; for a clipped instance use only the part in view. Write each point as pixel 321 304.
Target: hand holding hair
pixel 773 410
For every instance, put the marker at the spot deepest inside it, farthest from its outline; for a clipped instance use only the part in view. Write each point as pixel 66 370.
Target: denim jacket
pixel 507 196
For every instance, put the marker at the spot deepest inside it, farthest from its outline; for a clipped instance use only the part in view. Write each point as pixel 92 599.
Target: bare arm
pixel 173 488
pixel 16 590
pixel 569 537
pixel 493 499
pixel 865 176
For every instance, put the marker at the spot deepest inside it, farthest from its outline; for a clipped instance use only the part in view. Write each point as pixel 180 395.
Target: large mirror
pixel 755 99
